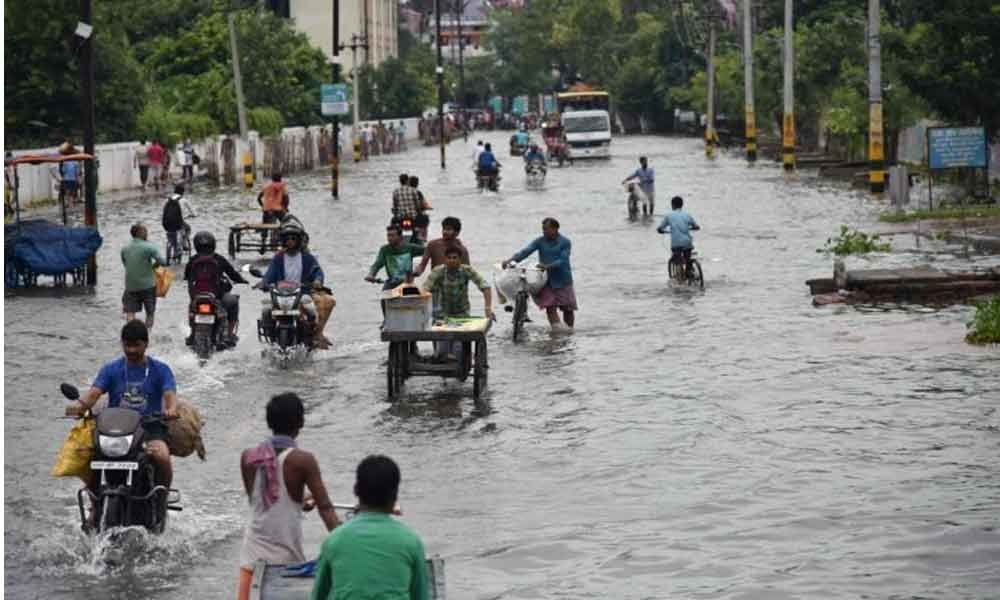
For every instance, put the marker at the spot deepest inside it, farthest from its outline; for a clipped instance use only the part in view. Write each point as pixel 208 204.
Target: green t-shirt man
pixel 373 556
pixel 139 258
pixel 396 258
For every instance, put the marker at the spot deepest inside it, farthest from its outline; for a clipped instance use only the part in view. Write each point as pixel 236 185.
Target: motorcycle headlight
pixel 286 302
pixel 115 447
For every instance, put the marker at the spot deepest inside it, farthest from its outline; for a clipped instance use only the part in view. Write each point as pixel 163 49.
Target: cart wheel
pixel 481 368
pixel 232 244
pixel 390 370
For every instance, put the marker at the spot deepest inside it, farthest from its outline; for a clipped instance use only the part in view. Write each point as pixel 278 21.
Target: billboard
pixel 955 147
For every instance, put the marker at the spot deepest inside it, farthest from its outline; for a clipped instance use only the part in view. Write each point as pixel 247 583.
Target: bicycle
pixel 522 289
pixel 689 273
pixel 178 245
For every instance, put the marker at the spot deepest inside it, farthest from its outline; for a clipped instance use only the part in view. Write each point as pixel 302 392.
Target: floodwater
pixel 731 443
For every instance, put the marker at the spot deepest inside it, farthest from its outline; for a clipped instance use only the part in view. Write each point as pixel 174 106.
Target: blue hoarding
pixel 954 147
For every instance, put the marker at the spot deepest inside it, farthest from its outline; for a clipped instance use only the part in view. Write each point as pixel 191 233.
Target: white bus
pixel 588 133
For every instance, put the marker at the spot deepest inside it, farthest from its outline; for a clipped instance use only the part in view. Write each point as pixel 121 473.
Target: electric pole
pixel 788 130
pixel 461 62
pixel 87 109
pixel 335 150
pixel 876 143
pixel 439 71
pixel 710 116
pixel 241 111
pixel 751 125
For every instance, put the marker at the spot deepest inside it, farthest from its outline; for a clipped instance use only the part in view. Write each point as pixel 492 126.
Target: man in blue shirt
pixel 488 164
pixel 646 178
pixel 69 173
pixel 553 255
pixel 680 225
pixel 534 158
pixel 141 383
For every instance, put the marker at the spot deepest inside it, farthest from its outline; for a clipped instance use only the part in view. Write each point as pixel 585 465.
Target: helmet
pixel 204 243
pixel 291 229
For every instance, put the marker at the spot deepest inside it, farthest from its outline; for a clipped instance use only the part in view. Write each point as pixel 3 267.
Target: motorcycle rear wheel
pixel 203 343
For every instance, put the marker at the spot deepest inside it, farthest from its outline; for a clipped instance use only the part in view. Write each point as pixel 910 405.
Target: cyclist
pixel 175 211
pixel 680 224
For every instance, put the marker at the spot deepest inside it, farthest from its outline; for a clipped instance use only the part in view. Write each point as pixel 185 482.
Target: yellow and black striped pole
pixel 788 124
pixel 751 124
pixel 876 137
pixel 248 169
pixel 710 136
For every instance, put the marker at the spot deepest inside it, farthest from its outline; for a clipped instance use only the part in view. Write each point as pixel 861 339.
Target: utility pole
pixel 335 150
pixel 710 135
pixel 788 130
pixel 241 110
pixel 876 141
pixel 87 106
pixel 461 61
pixel 439 71
pixel 751 124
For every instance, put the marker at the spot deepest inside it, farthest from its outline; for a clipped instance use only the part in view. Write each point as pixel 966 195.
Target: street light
pixel 378 109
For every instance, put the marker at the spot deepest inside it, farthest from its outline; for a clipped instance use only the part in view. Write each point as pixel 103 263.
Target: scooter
pixel 127 494
pixel 209 325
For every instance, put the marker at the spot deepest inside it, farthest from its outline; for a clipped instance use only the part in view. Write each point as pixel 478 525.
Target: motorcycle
pixel 127 494
pixel 488 181
pixel 288 327
pixel 535 172
pixel 209 325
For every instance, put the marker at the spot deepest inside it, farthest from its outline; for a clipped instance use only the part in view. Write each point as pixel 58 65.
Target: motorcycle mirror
pixel 69 391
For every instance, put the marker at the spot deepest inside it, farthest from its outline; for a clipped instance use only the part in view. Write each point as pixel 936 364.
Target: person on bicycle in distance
pixel 175 211
pixel 680 224
pixel 210 272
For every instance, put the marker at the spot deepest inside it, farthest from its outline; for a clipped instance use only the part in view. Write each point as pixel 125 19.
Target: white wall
pixel 116 170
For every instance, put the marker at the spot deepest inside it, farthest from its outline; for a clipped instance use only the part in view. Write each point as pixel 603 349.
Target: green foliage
pixel 972 211
pixel 985 325
pixel 157 123
pixel 406 85
pixel 854 242
pixel 265 120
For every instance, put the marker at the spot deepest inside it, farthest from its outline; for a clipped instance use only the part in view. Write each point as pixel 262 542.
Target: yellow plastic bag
pixel 164 277
pixel 77 451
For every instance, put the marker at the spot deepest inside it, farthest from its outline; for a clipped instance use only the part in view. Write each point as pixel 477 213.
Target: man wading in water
pixel 553 255
pixel 275 475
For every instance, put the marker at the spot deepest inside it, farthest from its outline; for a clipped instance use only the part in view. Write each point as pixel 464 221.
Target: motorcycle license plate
pixel 206 319
pixel 284 313
pixel 114 466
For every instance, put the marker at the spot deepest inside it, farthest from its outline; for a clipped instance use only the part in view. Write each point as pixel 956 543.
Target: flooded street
pixel 731 443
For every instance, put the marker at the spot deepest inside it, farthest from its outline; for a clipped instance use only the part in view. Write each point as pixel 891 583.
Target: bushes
pixel 854 242
pixel 985 326
pixel 266 121
pixel 155 122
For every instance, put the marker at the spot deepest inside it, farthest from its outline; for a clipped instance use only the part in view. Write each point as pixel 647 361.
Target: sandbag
pixel 77 451
pixel 324 304
pixel 184 432
pixel 164 277
pixel 508 281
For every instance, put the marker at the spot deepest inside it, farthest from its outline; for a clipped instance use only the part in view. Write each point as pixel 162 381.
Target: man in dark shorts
pixel 142 383
pixel 140 257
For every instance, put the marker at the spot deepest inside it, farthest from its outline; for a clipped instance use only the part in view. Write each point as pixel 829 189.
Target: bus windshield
pixel 585 124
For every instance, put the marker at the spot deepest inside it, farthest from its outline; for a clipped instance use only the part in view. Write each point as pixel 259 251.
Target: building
pixel 473 22
pixel 375 19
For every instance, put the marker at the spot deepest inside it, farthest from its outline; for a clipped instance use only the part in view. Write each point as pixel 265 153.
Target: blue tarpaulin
pixel 45 248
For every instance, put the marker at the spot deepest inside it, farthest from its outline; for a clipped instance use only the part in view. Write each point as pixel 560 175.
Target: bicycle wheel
pixel 520 314
pixel 695 275
pixel 674 269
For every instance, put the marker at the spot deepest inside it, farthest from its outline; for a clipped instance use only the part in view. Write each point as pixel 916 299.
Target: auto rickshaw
pixel 556 148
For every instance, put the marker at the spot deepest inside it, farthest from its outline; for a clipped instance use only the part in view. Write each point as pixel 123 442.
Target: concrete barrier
pixel 294 149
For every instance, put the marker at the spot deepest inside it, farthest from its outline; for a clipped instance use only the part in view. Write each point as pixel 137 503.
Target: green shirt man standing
pixel 396 258
pixel 140 257
pixel 373 555
pixel 450 283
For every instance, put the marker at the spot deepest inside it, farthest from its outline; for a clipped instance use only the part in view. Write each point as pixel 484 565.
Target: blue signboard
pixel 496 103
pixel 549 104
pixel 954 147
pixel 334 99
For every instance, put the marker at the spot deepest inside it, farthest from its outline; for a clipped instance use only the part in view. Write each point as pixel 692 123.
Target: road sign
pixel 952 147
pixel 334 99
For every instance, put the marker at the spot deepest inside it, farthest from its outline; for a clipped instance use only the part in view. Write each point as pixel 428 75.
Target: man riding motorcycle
pixel 208 272
pixel 488 164
pixel 534 157
pixel 295 263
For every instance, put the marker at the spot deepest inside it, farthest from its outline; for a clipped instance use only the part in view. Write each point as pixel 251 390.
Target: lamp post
pixel 439 71
pixel 375 102
pixel 335 150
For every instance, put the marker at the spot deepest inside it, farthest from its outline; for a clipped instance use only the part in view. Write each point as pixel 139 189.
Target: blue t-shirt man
pixel 136 386
pixel 521 137
pixel 487 160
pixel 680 225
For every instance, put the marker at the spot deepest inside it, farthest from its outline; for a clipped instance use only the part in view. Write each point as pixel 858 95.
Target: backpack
pixel 173 217
pixel 204 276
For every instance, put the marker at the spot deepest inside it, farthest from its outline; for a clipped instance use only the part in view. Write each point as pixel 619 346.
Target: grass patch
pixel 985 326
pixel 950 212
pixel 854 242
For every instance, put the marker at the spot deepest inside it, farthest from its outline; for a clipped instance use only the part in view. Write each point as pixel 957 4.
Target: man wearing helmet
pixel 294 263
pixel 208 272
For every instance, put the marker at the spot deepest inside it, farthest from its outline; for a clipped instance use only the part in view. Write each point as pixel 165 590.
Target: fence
pixel 294 149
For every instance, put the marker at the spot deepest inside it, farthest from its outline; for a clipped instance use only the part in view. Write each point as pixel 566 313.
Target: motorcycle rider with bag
pixel 210 273
pixel 296 264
